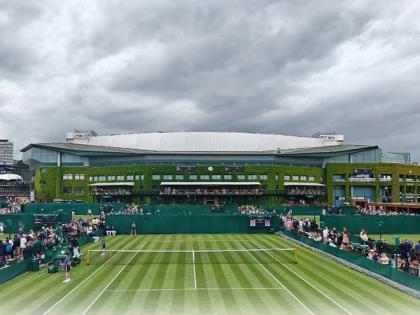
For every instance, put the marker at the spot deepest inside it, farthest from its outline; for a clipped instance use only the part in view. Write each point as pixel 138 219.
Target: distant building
pixel 6 152
pixel 219 168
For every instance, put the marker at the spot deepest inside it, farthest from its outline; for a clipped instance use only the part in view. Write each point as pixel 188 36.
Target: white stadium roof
pixel 206 141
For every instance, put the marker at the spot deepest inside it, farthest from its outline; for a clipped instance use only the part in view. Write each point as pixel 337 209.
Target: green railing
pixel 386 271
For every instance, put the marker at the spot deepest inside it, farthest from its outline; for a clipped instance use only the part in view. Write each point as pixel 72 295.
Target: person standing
pixel 133 229
pixel 103 244
pixel 67 269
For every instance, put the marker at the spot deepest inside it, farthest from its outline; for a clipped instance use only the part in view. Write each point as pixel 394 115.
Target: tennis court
pixel 203 274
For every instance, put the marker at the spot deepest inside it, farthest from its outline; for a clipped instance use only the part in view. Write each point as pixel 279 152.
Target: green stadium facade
pixel 331 172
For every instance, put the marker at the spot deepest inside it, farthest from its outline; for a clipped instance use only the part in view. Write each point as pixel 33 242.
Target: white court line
pixel 192 289
pixel 80 284
pixel 307 282
pixel 199 240
pixel 277 280
pixel 113 279
pixel 195 274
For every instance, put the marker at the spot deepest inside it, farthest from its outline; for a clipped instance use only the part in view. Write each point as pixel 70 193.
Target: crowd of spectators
pixel 12 205
pixel 134 209
pixel 407 253
pixel 374 210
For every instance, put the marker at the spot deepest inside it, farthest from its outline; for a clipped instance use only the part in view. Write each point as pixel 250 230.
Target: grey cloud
pixel 292 67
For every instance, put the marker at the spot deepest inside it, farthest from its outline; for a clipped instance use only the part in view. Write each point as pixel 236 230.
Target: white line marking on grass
pixel 199 240
pixel 192 289
pixel 113 279
pixel 76 287
pixel 195 274
pixel 277 280
pixel 307 282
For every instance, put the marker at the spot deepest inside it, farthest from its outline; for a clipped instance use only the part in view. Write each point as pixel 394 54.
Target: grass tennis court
pixel 230 282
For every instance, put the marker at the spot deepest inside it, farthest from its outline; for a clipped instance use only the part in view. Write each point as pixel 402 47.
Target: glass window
pixel 137 177
pixel 304 178
pixel 156 177
pixel 66 190
pixel 101 178
pixel 179 177
pixel 286 177
pixel 241 177
pixel 277 177
pixel 168 177
pixel 111 177
pixel 193 177
pixel 204 177
pixel 68 176
pixel 295 177
pixel 252 177
pixel 311 178
pixel 95 178
pixel 78 190
pixel 130 177
pixel 120 177
pixel 141 177
pixel 91 178
pixel 227 177
pixel 216 177
pixel 263 177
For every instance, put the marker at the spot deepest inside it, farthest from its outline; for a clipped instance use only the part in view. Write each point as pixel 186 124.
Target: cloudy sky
pixel 289 67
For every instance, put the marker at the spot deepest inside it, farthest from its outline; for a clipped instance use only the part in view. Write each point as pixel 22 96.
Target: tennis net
pixel 198 256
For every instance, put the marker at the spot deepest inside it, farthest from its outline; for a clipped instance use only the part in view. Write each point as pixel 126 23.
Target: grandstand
pixel 219 168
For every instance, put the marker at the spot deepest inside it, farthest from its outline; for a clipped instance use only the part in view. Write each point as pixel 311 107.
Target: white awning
pixel 303 184
pixel 10 177
pixel 114 184
pixel 210 183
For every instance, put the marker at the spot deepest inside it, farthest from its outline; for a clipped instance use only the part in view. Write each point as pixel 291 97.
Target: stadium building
pixel 218 168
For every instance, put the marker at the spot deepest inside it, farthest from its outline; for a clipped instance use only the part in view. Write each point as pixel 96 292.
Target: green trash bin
pixel 34 266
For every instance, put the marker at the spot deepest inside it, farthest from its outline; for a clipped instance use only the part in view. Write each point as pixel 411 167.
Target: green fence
pixel 79 208
pixel 374 224
pixel 187 224
pixel 383 270
pixel 13 221
pixel 14 270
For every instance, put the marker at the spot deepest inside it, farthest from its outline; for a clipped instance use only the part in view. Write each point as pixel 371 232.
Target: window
pixel 295 177
pixel 102 178
pixel 252 177
pixel 111 178
pixel 120 177
pixel 68 176
pixel 286 177
pixel 204 177
pixel 193 177
pixel 179 177
pixel 137 177
pixel 277 177
pixel 241 177
pixel 130 177
pixel 43 182
pixel 78 190
pixel 156 177
pixel 43 171
pixel 66 190
pixel 95 178
pixel 216 177
pixel 142 177
pixel 79 176
pixel 168 177
pixel 304 178
pixel 227 177
pixel 263 177
pixel 311 178
pixel 91 178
